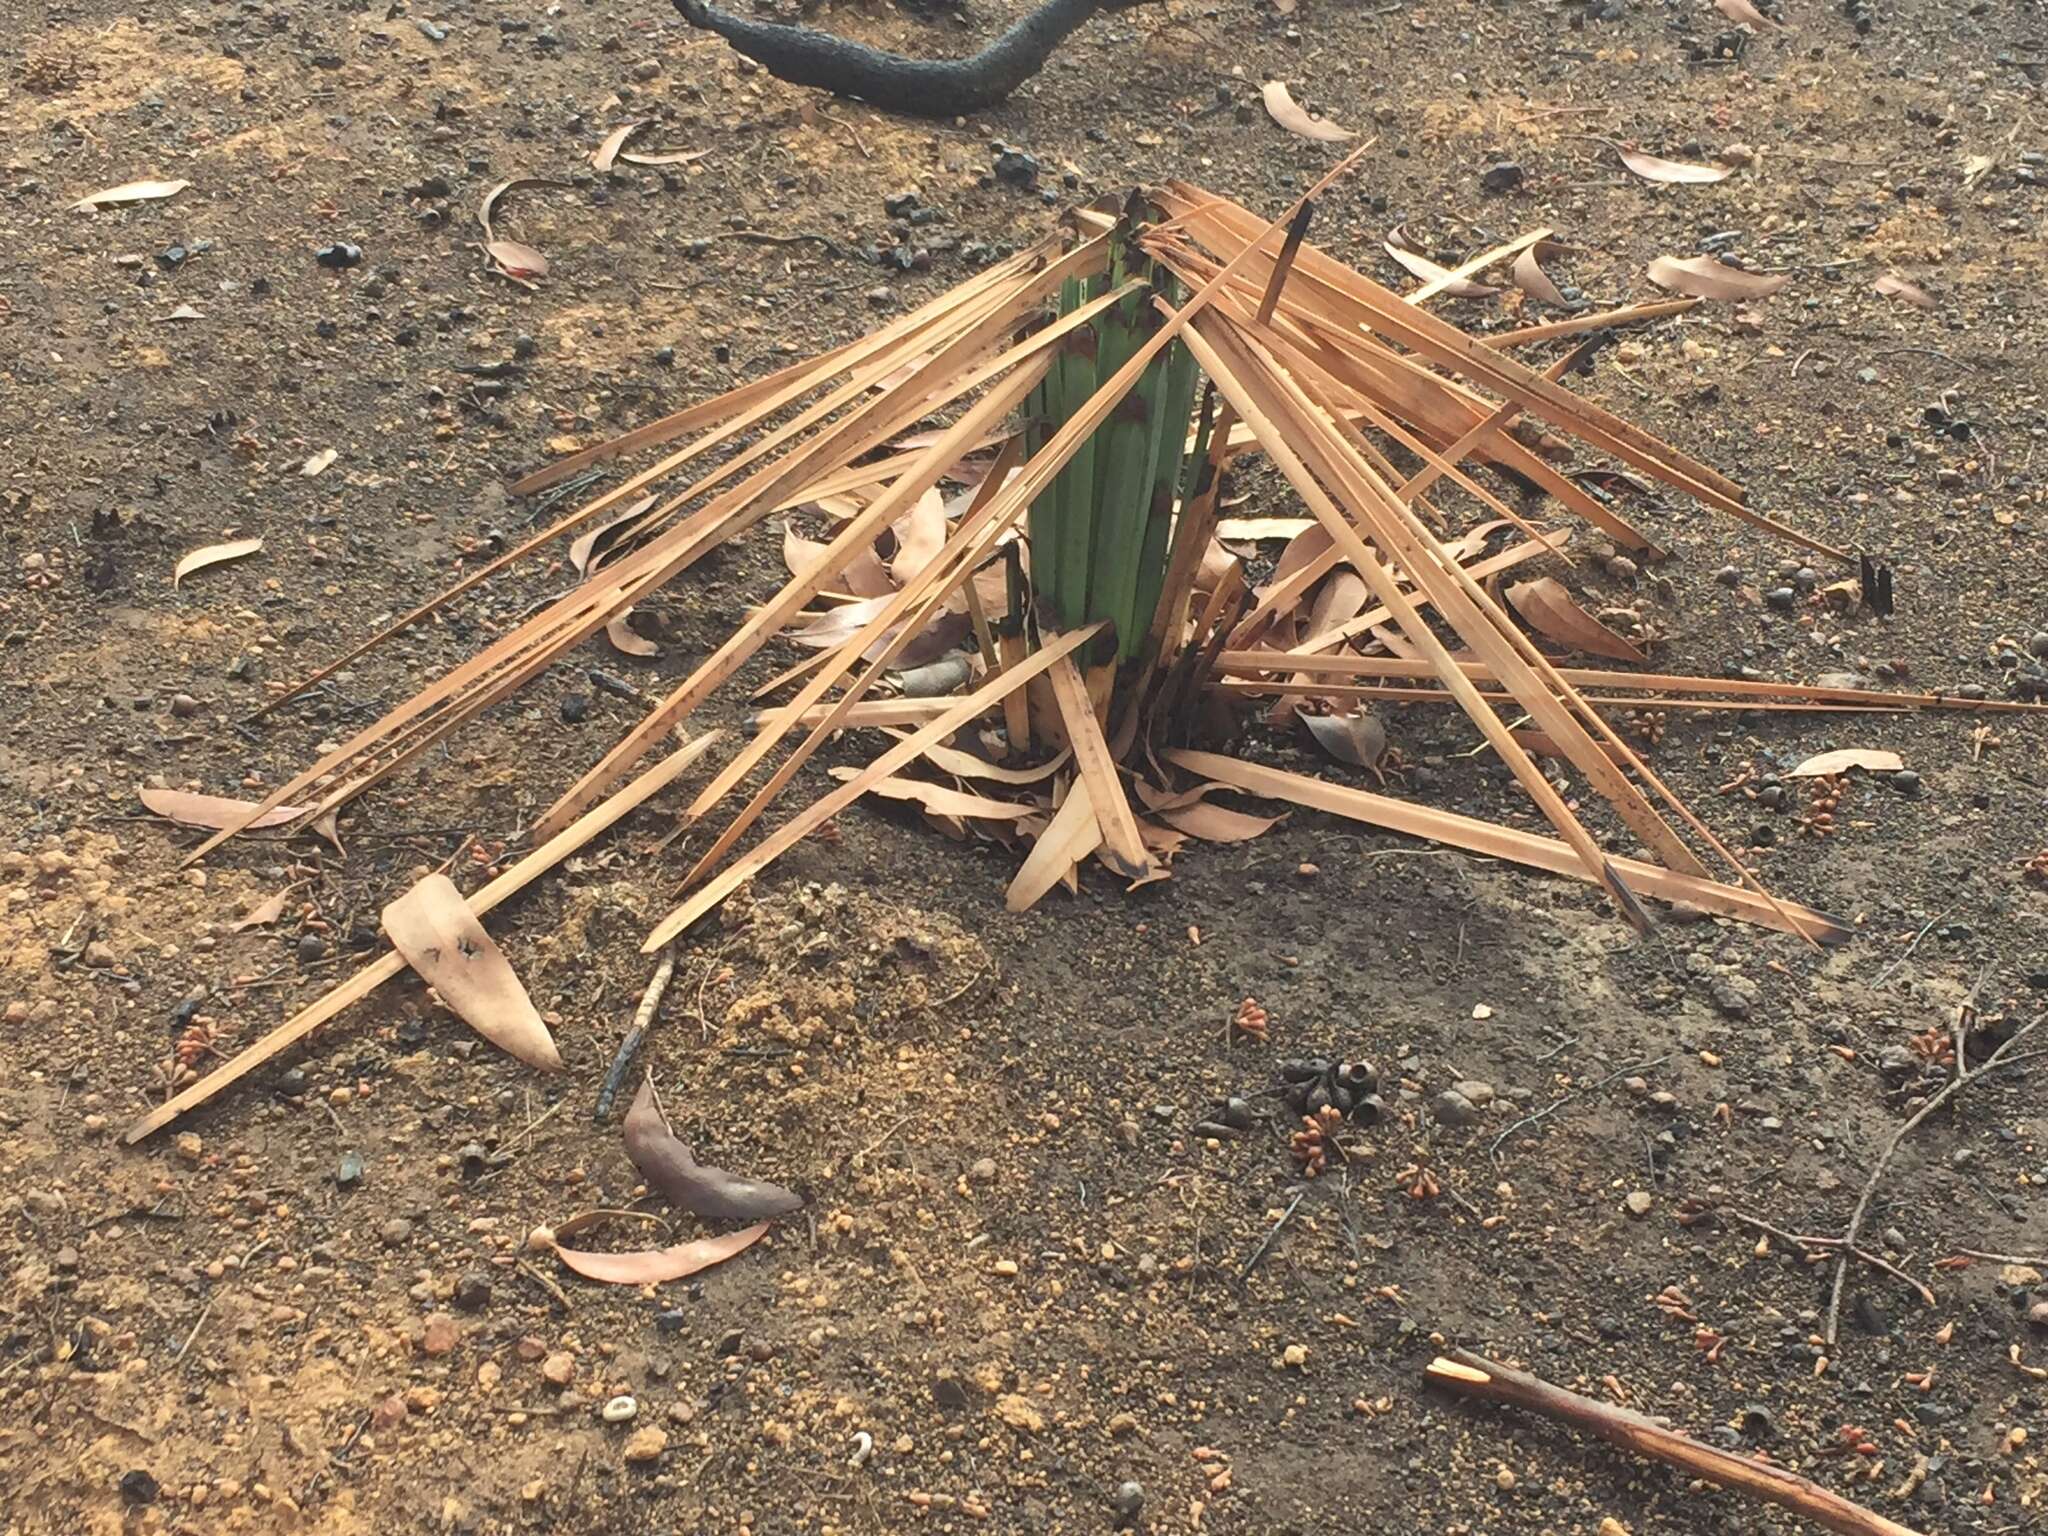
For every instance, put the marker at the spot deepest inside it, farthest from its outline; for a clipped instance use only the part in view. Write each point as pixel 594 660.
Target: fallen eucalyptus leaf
pixel 214 554
pixel 1358 739
pixel 1219 823
pixel 590 548
pixel 213 811
pixel 440 937
pixel 1291 115
pixel 607 153
pixel 652 1266
pixel 628 641
pixel 1548 609
pixel 667 157
pixel 711 1193
pixel 1843 759
pixel 129 192
pixel 1741 11
pixel 263 914
pixel 1533 280
pixel 516 260
pixel 1397 247
pixel 1894 287
pixel 1702 277
pixel 1657 168
pixel 1256 528
pixel 941 799
pixel 490 202
pixel 935 679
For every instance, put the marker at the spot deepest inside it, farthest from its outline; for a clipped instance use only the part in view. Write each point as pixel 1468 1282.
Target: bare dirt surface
pixel 1022 1279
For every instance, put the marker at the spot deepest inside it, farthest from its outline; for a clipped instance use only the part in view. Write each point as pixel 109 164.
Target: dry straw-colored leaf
pixel 129 192
pixel 607 153
pixel 440 937
pixel 666 157
pixel 652 1266
pixel 1702 277
pixel 1842 759
pixel 215 811
pixel 1291 115
pixel 1430 272
pixel 1893 286
pixel 1533 280
pixel 214 554
pixel 1680 172
pixel 1742 13
pixel 1549 610
pixel 628 641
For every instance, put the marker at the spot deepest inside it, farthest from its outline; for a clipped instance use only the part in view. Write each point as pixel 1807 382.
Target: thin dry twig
pixel 1493 1150
pixel 1965 1076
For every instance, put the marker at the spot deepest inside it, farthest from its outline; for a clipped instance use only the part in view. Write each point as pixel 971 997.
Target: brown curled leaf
pixel 516 260
pixel 1741 12
pixel 606 155
pixel 263 914
pixel 590 549
pixel 1533 280
pixel 1702 277
pixel 711 1193
pixel 628 641
pixel 1295 118
pixel 1549 610
pixel 1359 739
pixel 651 1266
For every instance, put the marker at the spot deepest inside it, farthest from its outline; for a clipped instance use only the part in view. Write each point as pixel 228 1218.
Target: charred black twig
pixel 643 1018
pixel 891 81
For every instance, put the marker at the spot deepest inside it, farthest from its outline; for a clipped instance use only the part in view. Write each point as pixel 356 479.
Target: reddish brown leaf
pixel 1657 168
pixel 440 937
pixel 1291 115
pixel 1548 609
pixel 215 811
pixel 590 549
pixel 1219 823
pixel 652 1266
pixel 1702 277
pixel 1742 12
pixel 1533 280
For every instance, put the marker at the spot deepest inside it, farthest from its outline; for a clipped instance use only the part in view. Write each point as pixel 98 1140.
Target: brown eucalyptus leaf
pixel 441 939
pixel 490 203
pixel 516 260
pixel 214 554
pixel 1430 272
pixel 941 799
pixel 1842 759
pixel 129 192
pixel 1895 287
pixel 1252 529
pixel 628 641
pixel 263 914
pixel 1219 823
pixel 213 811
pixel 1742 12
pixel 1358 739
pixel 590 549
pixel 1341 595
pixel 1549 610
pixel 606 155
pixel 1291 115
pixel 689 1185
pixel 1533 280
pixel 1680 172
pixel 667 157
pixel 1702 277
pixel 920 535
pixel 652 1266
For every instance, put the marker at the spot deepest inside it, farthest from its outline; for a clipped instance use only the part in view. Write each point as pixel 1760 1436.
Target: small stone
pixel 900 205
pixel 2037 644
pixel 575 707
pixel 1480 1093
pixel 488 1375
pixel 99 955
pixel 646 70
pixel 1501 176
pixel 1121 1424
pixel 1730 998
pixel 881 298
pixel 190 1147
pixel 1294 1357
pixel 138 1487
pixel 439 1336
pixel 394 1232
pixel 559 1369
pixel 1017 1412
pixel 1127 1502
pixel 621 1409
pixel 1453 1108
pixel 2037 1314
pixel 1621 568
pixel 1007 1268
pixel 311 947
pixel 983 1171
pixel 1014 168
pixel 1504 1479
pixel 183 705
pixel 340 256
pixel 389 1413
pixel 1781 598
pixel 472 1292
pixel 1905 782
pixel 1639 1202
pixel 1729 575
pixel 645 1445
pixel 350 1170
